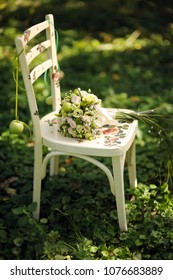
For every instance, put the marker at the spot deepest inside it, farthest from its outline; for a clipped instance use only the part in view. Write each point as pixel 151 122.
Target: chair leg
pixel 37 179
pixel 131 163
pixel 54 165
pixel 118 172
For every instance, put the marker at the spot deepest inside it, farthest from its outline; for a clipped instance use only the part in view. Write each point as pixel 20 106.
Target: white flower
pixel 76 99
pixel 86 119
pixel 83 93
pixel 87 128
pixel 71 131
pixel 71 122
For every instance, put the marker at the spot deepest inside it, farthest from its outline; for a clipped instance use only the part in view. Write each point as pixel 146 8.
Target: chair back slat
pixel 35 59
pixel 54 70
pixel 39 70
pixel 31 32
pixel 36 50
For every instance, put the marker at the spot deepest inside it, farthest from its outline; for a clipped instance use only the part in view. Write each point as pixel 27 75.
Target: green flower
pixel 89 136
pixel 79 128
pixel 77 113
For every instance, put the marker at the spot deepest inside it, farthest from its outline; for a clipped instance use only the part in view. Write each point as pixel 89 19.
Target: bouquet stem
pixel 160 123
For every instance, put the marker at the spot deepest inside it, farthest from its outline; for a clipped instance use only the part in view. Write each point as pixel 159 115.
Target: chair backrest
pixel 33 68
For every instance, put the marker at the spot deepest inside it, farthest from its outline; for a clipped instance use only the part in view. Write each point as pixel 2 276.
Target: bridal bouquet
pixel 79 114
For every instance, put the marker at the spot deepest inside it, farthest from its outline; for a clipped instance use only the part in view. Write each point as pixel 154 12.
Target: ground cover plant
pixel 130 67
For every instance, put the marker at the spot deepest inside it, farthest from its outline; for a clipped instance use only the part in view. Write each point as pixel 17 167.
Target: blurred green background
pixel 123 51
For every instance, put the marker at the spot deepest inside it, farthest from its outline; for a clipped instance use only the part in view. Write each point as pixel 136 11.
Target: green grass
pixel 78 212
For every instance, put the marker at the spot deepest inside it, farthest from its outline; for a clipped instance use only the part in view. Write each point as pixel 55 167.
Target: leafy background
pixel 123 51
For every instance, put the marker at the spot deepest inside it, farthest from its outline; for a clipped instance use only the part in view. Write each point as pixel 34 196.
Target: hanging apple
pixel 16 127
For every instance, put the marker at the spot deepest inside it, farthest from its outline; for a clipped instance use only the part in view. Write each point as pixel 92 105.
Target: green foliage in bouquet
pixel 78 114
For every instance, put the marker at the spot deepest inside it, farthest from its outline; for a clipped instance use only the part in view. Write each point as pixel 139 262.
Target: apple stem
pixel 17 89
pixel 16 79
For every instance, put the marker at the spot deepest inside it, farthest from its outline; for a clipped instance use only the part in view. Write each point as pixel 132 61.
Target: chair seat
pixel 111 140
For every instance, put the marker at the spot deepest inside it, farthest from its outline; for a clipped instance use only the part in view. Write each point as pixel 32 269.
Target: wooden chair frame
pixel 45 135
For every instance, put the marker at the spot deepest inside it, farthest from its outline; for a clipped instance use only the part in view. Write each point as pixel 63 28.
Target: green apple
pixel 49 100
pixel 16 127
pixel 67 107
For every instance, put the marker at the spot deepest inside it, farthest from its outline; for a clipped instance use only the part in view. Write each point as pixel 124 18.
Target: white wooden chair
pixel 117 144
